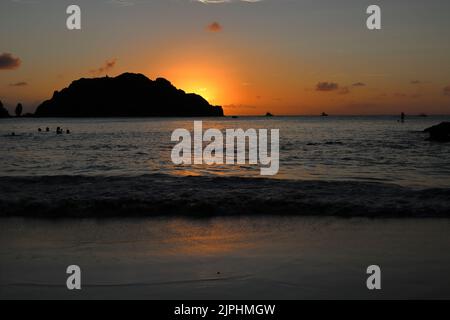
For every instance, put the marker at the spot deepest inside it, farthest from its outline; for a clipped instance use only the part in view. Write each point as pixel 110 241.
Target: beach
pixel 351 192
pixel 224 150
pixel 225 258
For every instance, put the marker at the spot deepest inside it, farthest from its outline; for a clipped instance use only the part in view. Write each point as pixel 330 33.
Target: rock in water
pixel 127 95
pixel 440 132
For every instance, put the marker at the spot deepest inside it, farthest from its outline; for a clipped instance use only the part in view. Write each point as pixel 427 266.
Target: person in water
pixel 402 117
pixel 67 131
pixel 47 129
pixel 59 130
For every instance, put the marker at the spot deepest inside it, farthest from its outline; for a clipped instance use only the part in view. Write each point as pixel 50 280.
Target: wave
pixel 161 195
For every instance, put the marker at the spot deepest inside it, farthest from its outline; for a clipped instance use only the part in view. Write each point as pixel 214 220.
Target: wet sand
pixel 225 258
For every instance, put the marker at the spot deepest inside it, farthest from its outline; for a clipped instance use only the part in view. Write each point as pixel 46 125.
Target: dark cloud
pixel 447 90
pixel 359 84
pixel 416 82
pixel 327 86
pixel 18 84
pixel 8 62
pixel 214 27
pixel 108 65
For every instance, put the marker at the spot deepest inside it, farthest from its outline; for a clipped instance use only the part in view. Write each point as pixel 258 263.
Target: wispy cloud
pixel 18 84
pixel 226 1
pixel 122 3
pixel 327 86
pixel 26 1
pixel 108 65
pixel 8 62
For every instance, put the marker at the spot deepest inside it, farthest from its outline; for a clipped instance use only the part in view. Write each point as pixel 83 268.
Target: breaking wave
pixel 160 195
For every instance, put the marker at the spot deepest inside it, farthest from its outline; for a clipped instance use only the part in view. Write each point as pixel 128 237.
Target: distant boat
pixel 234 117
pixel 324 114
pixel 423 115
pixel 268 114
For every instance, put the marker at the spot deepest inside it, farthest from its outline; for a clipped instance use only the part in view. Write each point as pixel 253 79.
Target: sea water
pixel 377 148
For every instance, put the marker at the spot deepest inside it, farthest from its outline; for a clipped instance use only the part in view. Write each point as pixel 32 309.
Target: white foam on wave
pixel 159 195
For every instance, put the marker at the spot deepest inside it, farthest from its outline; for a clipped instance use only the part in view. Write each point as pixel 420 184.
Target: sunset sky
pixel 288 57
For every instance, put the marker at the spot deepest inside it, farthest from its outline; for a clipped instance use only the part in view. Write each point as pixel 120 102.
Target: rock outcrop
pixel 440 132
pixel 127 95
pixel 3 112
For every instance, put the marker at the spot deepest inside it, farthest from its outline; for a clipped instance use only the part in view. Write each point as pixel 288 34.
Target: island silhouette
pixel 3 112
pixel 127 95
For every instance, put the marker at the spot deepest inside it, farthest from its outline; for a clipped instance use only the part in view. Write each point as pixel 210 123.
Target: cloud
pixel 226 1
pixel 18 84
pixel 108 65
pixel 8 62
pixel 26 1
pixel 214 27
pixel 121 3
pixel 327 86
pixel 416 82
pixel 447 91
pixel 359 84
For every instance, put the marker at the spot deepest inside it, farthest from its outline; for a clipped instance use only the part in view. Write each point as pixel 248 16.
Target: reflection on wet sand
pixel 205 239
pixel 225 258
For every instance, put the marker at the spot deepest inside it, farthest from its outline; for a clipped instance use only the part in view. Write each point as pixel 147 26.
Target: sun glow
pixel 204 92
pixel 213 80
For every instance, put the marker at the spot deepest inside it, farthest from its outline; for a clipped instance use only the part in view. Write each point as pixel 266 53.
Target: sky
pixel 287 57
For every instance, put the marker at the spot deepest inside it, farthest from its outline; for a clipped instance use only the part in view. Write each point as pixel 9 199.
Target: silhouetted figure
pixel 3 112
pixel 19 110
pixel 39 130
pixel 47 129
pixel 67 131
pixel 324 114
pixel 402 117
pixel 13 134
pixel 59 130
pixel 268 114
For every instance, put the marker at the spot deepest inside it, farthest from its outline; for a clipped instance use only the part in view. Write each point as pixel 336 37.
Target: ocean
pixel 376 149
pixel 351 192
